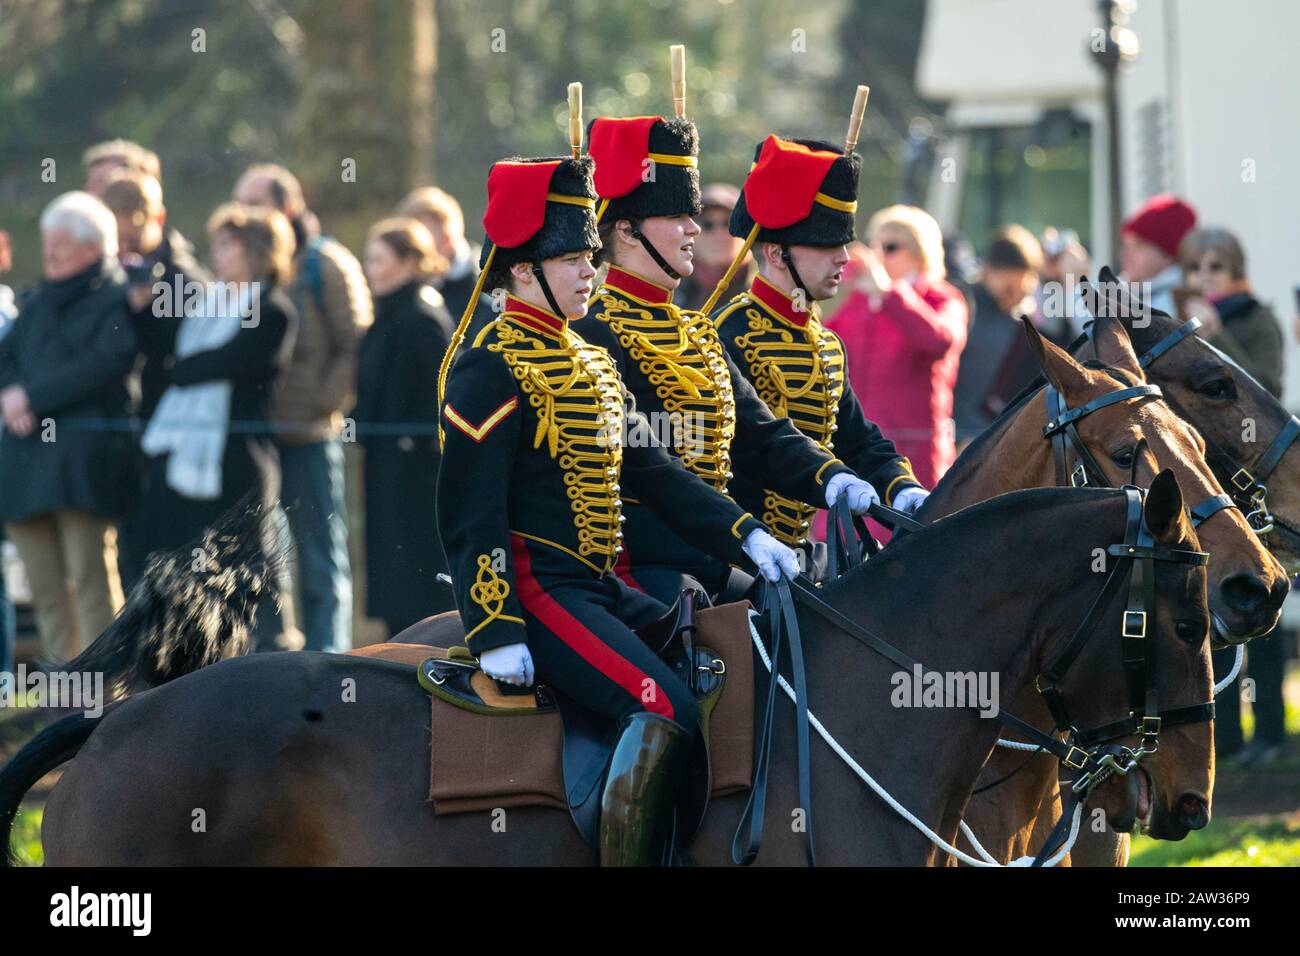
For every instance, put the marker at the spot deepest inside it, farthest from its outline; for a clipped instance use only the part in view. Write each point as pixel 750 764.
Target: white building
pixel 1208 111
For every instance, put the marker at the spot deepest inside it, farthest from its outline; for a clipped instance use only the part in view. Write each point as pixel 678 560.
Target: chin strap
pixel 654 253
pixel 794 273
pixel 546 289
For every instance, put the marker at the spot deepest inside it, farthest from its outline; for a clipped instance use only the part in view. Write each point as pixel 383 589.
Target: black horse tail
pixel 192 607
pixel 52 747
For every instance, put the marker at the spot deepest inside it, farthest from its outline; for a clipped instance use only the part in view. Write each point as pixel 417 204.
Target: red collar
pixel 778 302
pixel 640 288
pixel 540 320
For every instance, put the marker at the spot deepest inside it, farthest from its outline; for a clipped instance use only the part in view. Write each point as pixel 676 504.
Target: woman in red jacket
pixel 903 329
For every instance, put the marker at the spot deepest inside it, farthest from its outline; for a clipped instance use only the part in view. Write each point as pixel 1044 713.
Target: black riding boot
pixel 636 808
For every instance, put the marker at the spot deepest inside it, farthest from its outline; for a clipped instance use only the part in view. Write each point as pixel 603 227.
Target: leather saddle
pixel 589 737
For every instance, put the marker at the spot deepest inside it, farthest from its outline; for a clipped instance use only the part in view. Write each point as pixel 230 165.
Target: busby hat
pixel 800 192
pixel 625 148
pixel 538 209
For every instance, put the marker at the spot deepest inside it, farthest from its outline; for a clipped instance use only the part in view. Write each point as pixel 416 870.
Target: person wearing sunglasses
pixel 1247 331
pixel 904 328
pixel 1232 319
pixel 715 247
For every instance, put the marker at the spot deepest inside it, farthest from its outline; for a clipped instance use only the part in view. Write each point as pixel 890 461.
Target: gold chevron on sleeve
pixel 479 432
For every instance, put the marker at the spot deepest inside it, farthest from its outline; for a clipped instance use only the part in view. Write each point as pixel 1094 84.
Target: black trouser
pixel 1265 665
pixel 580 634
pixel 666 584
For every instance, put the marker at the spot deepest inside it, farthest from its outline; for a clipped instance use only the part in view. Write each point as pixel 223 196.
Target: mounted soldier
pixel 677 370
pixel 530 500
pixel 796 211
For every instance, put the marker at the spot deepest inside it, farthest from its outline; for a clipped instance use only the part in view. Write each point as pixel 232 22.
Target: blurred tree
pixel 315 83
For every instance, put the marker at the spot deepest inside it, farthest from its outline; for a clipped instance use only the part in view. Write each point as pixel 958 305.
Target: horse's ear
pixel 1107 276
pixel 1164 509
pixel 1059 366
pixel 1114 347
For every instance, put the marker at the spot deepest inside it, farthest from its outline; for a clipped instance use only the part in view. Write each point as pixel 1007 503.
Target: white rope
pixel 986 861
pixel 1236 669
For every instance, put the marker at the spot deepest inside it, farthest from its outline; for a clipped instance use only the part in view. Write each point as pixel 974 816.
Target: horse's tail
pixel 53 746
pixel 192 607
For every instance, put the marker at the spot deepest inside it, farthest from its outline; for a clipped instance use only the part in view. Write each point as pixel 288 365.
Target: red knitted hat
pixel 1162 221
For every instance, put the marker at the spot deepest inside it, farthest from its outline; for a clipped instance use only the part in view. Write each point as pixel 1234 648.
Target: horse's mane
pixel 976 524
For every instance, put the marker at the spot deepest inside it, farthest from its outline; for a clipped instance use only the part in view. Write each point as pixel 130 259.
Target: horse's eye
pixel 1124 457
pixel 1193 632
pixel 1219 389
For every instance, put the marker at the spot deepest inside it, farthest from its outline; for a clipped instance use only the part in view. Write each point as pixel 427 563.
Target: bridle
pixel 1247 489
pixel 1075 465
pixel 1091 753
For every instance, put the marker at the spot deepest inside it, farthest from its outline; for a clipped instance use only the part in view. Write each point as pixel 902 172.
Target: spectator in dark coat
pixel 162 273
pixel 715 248
pixel 1232 319
pixel 397 419
pixel 65 459
pixel 315 389
pixel 455 259
pixel 208 441
pixel 1248 332
pixel 996 362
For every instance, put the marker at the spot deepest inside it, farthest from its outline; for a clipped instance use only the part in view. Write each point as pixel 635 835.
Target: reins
pixel 1081 750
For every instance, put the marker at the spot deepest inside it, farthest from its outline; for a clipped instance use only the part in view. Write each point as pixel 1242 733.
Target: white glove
pixel 774 559
pixel 909 499
pixel 861 495
pixel 512 664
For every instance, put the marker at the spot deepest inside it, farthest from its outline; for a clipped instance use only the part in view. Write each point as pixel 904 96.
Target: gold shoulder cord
pixel 577 395
pixel 681 356
pixel 801 379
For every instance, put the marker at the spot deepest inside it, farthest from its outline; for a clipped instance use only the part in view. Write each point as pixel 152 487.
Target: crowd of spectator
pixel 144 391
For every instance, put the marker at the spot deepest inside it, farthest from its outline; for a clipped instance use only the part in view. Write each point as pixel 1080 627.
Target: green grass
pixel 26 837
pixel 1230 843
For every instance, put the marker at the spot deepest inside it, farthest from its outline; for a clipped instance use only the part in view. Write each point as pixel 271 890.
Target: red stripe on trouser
pixel 623 568
pixel 580 640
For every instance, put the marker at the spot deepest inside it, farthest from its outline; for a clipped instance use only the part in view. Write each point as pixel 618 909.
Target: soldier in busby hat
pixel 683 380
pixel 796 211
pixel 530 501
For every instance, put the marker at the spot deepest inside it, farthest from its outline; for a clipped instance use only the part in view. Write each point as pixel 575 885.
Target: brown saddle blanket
pixel 480 762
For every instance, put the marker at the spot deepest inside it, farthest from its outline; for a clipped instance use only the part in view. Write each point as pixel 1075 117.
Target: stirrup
pixel 637 804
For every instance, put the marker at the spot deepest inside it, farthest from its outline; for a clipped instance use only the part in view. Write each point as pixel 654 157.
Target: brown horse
pixel 1247 585
pixel 317 758
pixel 1018 812
pixel 1250 435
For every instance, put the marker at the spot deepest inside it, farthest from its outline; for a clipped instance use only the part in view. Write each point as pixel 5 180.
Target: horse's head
pixel 1168 791
pixel 1247 585
pixel 1235 413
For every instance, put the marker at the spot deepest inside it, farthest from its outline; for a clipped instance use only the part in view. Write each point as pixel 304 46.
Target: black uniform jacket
pixel 535 425
pixel 797 367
